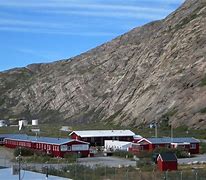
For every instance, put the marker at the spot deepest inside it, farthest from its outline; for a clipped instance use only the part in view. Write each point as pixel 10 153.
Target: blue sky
pixel 34 31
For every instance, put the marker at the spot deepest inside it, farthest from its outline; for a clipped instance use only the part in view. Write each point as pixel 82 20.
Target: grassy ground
pixel 50 130
pixel 53 130
pixel 177 132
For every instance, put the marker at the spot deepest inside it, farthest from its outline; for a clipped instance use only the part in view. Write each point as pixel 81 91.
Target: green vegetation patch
pixel 182 131
pixel 202 148
pixel 203 81
pixel 123 154
pixel 23 152
pixel 203 110
pixel 180 153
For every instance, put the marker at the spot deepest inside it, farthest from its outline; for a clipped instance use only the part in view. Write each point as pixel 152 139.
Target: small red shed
pixel 167 161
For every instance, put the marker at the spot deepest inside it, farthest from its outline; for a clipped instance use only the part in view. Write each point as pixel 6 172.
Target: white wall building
pixel 114 145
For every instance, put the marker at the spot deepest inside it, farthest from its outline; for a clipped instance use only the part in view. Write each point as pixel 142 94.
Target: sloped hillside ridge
pixel 154 72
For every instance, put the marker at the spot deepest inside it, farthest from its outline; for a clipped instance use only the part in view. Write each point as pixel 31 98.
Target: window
pixel 63 148
pixel 192 146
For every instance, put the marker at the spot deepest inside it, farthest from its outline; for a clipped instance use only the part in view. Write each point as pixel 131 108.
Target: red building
pixel 137 138
pixel 167 161
pixel 97 137
pixel 188 144
pixel 54 146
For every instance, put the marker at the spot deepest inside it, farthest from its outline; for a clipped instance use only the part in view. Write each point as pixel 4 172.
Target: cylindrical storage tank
pixel 23 122
pixel 2 123
pixel 35 122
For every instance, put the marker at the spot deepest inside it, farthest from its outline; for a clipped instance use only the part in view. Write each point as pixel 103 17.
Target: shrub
pixel 39 159
pixel 23 152
pixel 71 157
pixel 203 81
pixel 144 154
pixel 145 164
pixel 203 110
pixel 202 148
pixel 180 153
pixel 123 154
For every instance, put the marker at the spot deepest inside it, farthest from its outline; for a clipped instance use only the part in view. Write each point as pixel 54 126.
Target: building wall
pixel 52 149
pixel 154 146
pixel 117 145
pixel 99 141
pixel 195 150
pixel 14 144
pixel 75 136
pixel 164 166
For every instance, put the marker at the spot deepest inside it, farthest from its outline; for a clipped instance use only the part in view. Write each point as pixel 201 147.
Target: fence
pixel 80 172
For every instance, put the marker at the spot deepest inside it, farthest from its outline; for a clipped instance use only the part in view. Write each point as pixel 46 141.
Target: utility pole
pixel 156 128
pixel 171 133
pixel 47 172
pixel 19 169
pixel 19 161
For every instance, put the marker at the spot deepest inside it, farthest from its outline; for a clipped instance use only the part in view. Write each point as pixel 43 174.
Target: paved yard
pixel 5 156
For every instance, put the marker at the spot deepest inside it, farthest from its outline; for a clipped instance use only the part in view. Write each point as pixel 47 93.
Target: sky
pixel 40 31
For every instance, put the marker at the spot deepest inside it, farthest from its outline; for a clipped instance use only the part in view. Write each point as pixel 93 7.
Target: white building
pixel 113 145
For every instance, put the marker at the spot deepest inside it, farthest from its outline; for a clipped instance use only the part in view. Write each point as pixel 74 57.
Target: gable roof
pixel 168 140
pixel 47 140
pixel 167 156
pixel 103 133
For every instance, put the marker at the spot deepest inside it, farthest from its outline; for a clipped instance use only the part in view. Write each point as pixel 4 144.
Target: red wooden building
pixel 54 146
pixel 97 137
pixel 167 161
pixel 188 144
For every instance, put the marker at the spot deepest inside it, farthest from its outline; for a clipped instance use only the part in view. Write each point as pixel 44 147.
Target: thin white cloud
pixel 113 9
pixel 78 5
pixel 50 31
pixel 113 14
pixel 27 23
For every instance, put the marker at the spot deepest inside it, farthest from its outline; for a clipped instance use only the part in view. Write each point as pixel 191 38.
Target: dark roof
pixel 47 140
pixel 168 156
pixel 172 140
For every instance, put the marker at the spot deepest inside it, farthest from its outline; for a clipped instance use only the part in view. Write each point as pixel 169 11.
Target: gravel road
pixel 6 156
pixel 198 158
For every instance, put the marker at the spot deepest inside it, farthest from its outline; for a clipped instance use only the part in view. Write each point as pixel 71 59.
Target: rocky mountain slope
pixel 154 72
